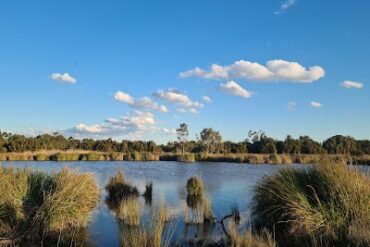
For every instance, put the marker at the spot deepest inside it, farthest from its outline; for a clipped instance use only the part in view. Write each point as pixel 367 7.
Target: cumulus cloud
pixel 291 105
pixel 316 104
pixel 134 125
pixel 181 110
pixel 178 98
pixel 352 84
pixel 65 77
pixel 206 99
pixel 285 6
pixel 142 103
pixel 273 70
pixel 235 89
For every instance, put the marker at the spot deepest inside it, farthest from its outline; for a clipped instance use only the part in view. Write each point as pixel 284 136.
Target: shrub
pixel 195 186
pixel 324 203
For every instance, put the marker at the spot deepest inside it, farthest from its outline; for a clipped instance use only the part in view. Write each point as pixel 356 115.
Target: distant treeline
pixel 209 141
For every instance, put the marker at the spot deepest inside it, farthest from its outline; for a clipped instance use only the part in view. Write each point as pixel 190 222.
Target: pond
pixel 226 186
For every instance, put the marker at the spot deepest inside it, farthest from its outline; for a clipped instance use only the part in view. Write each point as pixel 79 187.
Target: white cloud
pixel 206 99
pixel 274 70
pixel 181 110
pixel 285 6
pixel 132 125
pixel 291 105
pixel 193 110
pixel 65 77
pixel 316 104
pixel 178 98
pixel 235 89
pixel 352 84
pixel 143 103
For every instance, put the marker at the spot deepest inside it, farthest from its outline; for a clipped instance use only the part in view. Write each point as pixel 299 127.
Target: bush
pixel 195 186
pixel 324 203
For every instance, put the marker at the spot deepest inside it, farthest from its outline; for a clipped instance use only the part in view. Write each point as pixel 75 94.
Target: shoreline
pixel 80 155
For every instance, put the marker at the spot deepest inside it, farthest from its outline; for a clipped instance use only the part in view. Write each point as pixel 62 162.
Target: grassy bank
pixel 77 155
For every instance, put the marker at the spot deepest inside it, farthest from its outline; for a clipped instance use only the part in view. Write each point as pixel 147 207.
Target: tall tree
pixel 211 140
pixel 182 135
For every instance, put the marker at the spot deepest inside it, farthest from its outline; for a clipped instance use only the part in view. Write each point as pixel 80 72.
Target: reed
pixel 195 186
pixel 250 239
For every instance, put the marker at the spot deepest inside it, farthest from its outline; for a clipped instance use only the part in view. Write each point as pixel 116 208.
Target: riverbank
pixel 80 155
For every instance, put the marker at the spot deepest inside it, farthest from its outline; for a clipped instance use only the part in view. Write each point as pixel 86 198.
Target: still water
pixel 226 185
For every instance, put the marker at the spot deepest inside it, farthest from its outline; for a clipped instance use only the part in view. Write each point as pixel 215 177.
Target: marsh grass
pixel 250 239
pixel 199 207
pixel 35 205
pixel 129 211
pixel 186 158
pixel 148 194
pixel 118 190
pixel 158 232
pixel 327 203
pixel 195 186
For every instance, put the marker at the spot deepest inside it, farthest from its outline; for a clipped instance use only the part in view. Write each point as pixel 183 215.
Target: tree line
pixel 208 141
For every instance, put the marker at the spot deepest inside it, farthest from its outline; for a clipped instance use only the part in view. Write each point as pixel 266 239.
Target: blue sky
pixel 83 68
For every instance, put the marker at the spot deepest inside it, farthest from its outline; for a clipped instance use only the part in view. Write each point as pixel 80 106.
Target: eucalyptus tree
pixel 182 135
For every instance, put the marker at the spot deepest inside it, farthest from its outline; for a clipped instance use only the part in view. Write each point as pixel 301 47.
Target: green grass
pixel 327 203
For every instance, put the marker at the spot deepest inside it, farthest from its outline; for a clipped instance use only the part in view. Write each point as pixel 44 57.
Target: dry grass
pixel 249 239
pixel 157 233
pixel 119 190
pixel 34 204
pixel 325 203
pixel 128 211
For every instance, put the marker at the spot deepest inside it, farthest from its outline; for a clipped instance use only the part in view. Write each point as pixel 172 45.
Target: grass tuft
pixel 327 203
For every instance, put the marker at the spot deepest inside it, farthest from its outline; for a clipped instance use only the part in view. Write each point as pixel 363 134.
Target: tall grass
pixel 327 203
pixel 250 239
pixel 35 205
pixel 195 186
pixel 118 190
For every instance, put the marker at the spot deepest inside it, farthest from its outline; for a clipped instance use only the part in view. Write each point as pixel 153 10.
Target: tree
pixel 309 146
pixel 182 135
pixel 210 140
pixel 291 145
pixel 340 145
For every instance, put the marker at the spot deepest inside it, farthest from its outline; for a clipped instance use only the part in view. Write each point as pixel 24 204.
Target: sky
pixel 137 69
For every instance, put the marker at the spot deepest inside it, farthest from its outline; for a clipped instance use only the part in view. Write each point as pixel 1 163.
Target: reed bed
pixel 327 203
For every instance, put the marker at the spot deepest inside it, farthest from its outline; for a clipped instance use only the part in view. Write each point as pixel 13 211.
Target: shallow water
pixel 226 185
